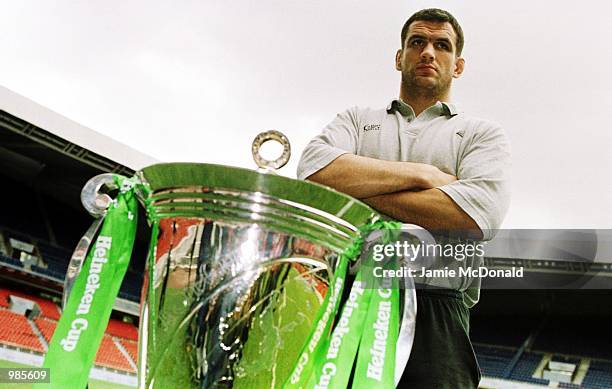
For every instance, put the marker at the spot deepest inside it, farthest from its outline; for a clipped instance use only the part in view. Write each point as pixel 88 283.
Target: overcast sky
pixel 197 80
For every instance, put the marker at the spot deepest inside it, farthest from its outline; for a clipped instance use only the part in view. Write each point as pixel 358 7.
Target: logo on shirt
pixel 371 127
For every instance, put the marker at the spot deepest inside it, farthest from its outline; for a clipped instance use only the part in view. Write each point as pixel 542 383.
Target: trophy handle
pixel 405 338
pixel 96 203
pixel 278 163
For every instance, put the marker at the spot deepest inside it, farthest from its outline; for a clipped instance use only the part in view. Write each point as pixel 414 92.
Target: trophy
pixel 240 264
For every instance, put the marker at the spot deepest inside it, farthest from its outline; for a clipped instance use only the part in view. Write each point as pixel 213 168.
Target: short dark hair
pixel 435 15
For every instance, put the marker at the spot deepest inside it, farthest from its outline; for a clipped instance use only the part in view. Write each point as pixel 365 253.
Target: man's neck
pixel 421 103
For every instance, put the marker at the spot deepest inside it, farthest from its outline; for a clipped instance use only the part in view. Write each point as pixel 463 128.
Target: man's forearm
pixel 363 177
pixel 431 209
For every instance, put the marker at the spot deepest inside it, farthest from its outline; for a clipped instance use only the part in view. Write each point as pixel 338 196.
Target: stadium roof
pixel 63 134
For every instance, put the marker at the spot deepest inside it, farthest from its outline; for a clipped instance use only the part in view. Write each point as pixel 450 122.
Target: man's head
pixel 439 16
pixel 430 56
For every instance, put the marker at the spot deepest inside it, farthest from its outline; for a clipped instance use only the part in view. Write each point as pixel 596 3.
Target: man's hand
pixel 434 177
pixel 364 177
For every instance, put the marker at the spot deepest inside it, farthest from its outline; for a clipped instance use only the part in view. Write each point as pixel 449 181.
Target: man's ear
pixel 398 60
pixel 459 66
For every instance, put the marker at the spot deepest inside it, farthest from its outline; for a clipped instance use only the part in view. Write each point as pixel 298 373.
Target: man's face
pixel 428 60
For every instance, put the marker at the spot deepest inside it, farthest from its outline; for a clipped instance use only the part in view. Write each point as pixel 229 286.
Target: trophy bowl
pixel 241 263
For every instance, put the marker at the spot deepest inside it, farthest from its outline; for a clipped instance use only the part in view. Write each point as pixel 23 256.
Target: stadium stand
pixel 122 330
pixel 11 261
pixel 525 367
pixel 565 385
pixel 599 375
pixel 110 356
pixel 50 272
pixel 48 308
pixel 493 361
pixel 57 259
pixel 16 331
pixel 4 294
pixel 131 347
pixel 46 327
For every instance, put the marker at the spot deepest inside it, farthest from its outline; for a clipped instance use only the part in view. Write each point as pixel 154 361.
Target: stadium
pixel 553 332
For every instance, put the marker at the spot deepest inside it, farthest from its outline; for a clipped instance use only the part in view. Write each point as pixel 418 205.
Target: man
pixel 422 161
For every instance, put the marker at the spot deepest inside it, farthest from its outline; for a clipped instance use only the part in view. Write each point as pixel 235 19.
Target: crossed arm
pixel 405 191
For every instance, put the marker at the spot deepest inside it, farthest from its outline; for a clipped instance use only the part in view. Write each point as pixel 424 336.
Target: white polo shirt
pixel 474 150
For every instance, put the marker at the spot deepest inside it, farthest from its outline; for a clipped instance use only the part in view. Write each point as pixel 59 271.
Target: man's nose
pixel 428 53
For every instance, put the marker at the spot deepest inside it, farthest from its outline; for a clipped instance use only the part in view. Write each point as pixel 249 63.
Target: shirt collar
pixel 439 109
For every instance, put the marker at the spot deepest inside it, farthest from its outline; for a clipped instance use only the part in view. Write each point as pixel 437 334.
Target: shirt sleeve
pixel 337 138
pixel 483 186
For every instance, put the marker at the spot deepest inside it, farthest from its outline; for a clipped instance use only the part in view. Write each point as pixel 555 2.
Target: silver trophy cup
pixel 239 264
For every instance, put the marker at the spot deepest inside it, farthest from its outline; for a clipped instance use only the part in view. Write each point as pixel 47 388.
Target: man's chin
pixel 426 82
pixel 423 86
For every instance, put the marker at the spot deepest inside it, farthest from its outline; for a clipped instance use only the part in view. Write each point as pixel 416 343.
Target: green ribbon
pixel 80 330
pixel 366 330
pixel 376 360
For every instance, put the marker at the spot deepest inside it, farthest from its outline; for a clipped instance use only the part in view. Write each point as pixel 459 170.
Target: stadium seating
pixel 4 301
pixel 46 327
pixel 109 356
pixel 599 375
pixel 525 368
pixel 16 331
pixel 48 308
pixel 10 261
pixel 56 258
pixel 122 330
pixel 51 272
pixel 131 347
pixel 54 253
pixel 565 385
pixel 493 361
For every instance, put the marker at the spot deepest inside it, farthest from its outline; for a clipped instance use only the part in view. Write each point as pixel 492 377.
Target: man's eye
pixel 443 46
pixel 417 42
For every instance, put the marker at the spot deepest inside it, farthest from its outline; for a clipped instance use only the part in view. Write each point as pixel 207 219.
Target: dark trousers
pixel 442 355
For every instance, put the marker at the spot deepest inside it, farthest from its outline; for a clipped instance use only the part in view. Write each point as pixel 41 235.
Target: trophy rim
pixel 164 176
